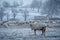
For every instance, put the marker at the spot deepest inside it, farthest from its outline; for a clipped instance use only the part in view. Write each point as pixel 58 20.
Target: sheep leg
pixel 43 31
pixel 35 31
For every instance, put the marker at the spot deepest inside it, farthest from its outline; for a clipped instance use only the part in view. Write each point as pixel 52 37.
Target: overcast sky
pixel 24 1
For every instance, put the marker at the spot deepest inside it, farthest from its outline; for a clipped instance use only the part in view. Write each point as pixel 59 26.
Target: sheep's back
pixel 38 26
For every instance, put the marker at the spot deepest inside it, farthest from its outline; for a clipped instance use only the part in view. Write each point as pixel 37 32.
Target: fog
pixel 29 20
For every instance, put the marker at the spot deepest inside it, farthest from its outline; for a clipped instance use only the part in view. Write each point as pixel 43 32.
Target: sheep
pixel 4 23
pixel 35 27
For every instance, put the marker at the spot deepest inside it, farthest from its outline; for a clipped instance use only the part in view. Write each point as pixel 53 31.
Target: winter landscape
pixel 29 20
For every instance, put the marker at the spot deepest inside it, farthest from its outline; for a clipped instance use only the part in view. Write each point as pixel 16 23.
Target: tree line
pixel 6 5
pixel 50 7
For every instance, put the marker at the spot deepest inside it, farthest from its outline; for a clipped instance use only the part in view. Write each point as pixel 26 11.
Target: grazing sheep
pixel 39 27
pixel 4 23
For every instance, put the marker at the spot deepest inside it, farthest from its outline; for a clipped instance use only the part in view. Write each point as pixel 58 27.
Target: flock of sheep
pixel 33 25
pixel 10 23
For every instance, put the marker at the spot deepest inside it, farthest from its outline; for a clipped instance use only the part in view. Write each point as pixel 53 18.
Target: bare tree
pixel 2 13
pixel 50 8
pixel 14 11
pixel 25 14
pixel 36 4
pixel 6 5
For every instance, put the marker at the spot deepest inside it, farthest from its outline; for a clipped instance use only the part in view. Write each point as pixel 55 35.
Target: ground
pixel 28 34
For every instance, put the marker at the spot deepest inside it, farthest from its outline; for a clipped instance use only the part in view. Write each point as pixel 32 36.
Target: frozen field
pixel 28 34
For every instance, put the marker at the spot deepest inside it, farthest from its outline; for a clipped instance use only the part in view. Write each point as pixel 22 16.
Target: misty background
pixel 28 9
pixel 19 17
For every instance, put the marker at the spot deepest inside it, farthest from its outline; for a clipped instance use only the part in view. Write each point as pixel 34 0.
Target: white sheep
pixel 35 27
